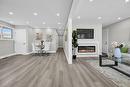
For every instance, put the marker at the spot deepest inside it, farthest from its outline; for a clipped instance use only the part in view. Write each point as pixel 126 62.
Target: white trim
pixel 1 57
pixel 85 55
pixel 27 53
pixel 7 39
pixel 52 51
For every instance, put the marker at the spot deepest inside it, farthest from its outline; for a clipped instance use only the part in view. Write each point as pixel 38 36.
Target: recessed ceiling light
pixel 99 17
pixel 78 17
pixel 11 13
pixel 35 14
pixel 127 1
pixel 58 14
pixel 119 18
pixel 90 0
pixel 59 23
pixel 43 22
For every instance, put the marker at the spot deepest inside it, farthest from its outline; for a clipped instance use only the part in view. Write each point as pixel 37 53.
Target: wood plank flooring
pixel 49 71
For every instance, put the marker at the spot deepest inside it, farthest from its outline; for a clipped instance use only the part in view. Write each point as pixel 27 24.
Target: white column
pixel 70 41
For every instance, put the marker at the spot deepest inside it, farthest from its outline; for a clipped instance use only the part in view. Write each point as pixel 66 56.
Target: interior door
pixel 60 41
pixel 20 41
pixel 105 41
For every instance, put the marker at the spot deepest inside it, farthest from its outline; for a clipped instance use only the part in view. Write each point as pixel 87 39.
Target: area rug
pixel 118 78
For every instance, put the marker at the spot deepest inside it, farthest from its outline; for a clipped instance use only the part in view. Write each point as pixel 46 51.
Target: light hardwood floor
pixel 49 71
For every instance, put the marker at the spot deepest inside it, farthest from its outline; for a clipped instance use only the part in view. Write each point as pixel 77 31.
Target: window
pixel 6 33
pixel 0 33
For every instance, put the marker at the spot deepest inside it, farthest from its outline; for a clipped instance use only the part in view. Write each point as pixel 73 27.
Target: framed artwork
pixel 38 36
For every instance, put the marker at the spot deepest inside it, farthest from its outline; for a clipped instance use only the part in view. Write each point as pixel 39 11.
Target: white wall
pixel 30 37
pixel 29 34
pixel 97 34
pixel 119 32
pixel 6 46
pixel 67 41
pixel 45 32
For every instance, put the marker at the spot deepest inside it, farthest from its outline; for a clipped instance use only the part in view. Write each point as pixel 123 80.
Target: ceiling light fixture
pixel 78 17
pixel 127 1
pixel 43 22
pixel 59 23
pixel 35 14
pixel 99 18
pixel 58 14
pixel 119 18
pixel 90 0
pixel 11 13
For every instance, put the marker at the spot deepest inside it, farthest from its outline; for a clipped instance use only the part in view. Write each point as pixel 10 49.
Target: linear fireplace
pixel 86 49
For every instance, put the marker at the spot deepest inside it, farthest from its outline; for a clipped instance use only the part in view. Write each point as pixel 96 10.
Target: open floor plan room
pixel 64 43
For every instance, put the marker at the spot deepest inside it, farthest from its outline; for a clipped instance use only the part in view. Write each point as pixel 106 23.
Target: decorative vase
pixel 74 57
pixel 74 52
pixel 117 53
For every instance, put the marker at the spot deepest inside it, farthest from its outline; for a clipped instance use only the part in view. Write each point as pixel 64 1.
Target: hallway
pixel 49 71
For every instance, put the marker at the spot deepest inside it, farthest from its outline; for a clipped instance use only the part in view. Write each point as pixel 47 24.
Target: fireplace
pixel 86 49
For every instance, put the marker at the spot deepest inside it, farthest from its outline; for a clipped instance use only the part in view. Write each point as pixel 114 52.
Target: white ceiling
pixel 109 10
pixel 47 9
pixel 88 11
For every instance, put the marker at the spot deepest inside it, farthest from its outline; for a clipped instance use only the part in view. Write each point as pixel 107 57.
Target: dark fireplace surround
pixel 86 49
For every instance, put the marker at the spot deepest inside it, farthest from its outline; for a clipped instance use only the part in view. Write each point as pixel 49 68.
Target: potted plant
pixel 74 43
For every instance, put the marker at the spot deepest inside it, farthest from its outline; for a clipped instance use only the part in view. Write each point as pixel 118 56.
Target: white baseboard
pixel 1 57
pixel 51 51
pixel 87 55
pixel 27 53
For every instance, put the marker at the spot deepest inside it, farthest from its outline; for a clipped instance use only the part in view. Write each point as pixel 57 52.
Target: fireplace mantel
pixel 95 41
pixel 87 54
